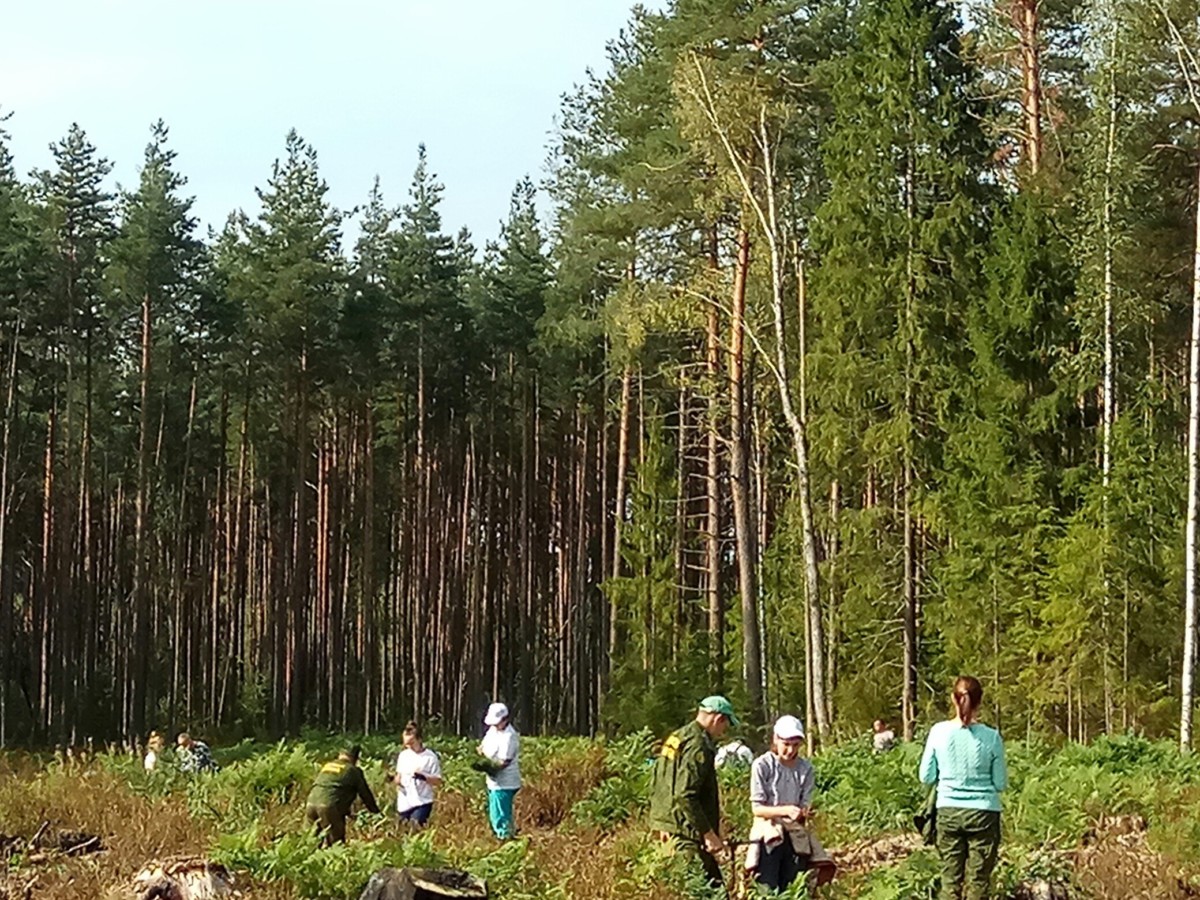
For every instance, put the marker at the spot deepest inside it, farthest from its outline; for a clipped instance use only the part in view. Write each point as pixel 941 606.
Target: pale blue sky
pixel 364 81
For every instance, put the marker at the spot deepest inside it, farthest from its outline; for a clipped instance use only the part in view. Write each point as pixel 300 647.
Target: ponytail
pixel 968 696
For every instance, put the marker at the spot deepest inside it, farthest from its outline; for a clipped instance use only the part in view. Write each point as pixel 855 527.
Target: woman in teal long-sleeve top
pixel 966 761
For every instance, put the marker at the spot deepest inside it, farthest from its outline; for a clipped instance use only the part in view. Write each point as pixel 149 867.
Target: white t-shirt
pixel 414 792
pixel 500 746
pixel 735 753
pixel 151 760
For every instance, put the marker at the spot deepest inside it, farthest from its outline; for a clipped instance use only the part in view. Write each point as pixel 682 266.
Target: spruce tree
pixel 897 257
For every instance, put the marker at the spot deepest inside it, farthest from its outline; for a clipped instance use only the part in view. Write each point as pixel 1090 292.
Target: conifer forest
pixel 840 347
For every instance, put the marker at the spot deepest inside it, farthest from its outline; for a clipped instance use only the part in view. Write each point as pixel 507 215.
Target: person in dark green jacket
pixel 685 805
pixel 333 793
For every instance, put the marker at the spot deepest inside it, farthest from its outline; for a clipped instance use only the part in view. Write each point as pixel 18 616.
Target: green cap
pixel 718 704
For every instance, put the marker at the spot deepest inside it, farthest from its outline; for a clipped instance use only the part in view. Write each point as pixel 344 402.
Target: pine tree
pixel 153 283
pixel 292 286
pixel 77 226
pixel 515 298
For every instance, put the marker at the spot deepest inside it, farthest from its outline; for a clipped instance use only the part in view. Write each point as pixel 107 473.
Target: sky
pixel 479 82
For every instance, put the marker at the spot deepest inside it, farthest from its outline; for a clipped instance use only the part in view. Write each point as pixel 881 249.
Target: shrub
pixel 320 873
pixel 243 792
pixel 624 790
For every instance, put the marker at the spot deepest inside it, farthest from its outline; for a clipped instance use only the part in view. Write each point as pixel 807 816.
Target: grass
pixel 580 816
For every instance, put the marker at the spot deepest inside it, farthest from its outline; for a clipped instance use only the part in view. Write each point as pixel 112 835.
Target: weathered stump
pixel 422 884
pixel 189 878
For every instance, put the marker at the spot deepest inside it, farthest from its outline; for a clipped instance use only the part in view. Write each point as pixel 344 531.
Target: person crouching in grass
pixel 333 793
pixel 418 772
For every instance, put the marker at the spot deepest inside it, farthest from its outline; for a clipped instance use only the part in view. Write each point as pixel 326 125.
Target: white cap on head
pixel 496 714
pixel 788 728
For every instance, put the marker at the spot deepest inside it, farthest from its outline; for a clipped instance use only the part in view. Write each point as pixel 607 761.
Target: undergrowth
pixel 581 817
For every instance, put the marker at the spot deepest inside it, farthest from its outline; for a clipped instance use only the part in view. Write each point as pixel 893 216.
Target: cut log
pixel 422 884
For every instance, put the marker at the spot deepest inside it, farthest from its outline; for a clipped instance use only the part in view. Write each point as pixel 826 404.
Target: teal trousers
pixel 500 813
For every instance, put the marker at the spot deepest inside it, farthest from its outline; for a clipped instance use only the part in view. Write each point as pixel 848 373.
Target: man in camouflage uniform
pixel 334 791
pixel 685 805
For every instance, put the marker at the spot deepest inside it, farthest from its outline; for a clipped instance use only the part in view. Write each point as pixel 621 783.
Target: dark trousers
pixel 712 869
pixel 330 823
pixel 779 867
pixel 968 841
pixel 418 815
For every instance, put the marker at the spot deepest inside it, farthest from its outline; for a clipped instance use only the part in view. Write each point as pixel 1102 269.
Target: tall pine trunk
pixel 614 613
pixel 6 609
pixel 1031 81
pixel 745 538
pixel 141 562
pixel 712 488
pixel 909 622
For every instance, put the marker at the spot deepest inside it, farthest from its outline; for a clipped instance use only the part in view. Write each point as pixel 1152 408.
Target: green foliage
pixel 653 862
pixel 514 874
pixel 860 793
pixel 917 877
pixel 1058 800
pixel 1018 866
pixel 320 873
pixel 625 791
pixel 239 794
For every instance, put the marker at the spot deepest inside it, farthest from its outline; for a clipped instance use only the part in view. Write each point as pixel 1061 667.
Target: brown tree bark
pixel 745 537
pixel 1025 14
pixel 712 488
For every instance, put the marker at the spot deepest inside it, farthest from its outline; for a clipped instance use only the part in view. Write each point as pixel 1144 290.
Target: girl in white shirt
pixel 418 772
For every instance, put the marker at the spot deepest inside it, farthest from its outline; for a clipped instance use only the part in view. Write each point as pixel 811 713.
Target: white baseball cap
pixel 788 728
pixel 496 714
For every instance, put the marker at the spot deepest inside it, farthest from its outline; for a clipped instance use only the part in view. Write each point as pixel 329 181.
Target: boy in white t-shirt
pixel 500 748
pixel 418 772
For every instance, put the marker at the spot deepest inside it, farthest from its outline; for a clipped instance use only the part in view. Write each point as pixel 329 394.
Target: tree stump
pixel 422 884
pixel 191 878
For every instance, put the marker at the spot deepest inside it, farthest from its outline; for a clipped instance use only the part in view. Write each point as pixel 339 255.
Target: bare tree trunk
pixel 712 495
pixel 908 693
pixel 1026 14
pixel 745 538
pixel 833 635
pixel 619 511
pixel 1109 387
pixel 1193 467
pixel 45 613
pixel 768 219
pixel 681 516
pixel 815 647
pixel 141 562
pixel 297 673
pixel 367 587
pixel 603 611
pixel 822 708
pixel 6 625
